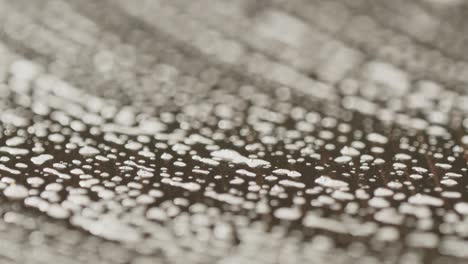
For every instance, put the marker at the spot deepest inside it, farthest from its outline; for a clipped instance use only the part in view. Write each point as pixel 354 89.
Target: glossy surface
pixel 232 132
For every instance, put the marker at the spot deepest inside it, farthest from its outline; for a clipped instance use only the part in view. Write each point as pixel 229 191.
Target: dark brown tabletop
pixel 157 131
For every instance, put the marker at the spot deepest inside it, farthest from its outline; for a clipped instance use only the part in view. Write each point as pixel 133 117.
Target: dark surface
pixel 233 132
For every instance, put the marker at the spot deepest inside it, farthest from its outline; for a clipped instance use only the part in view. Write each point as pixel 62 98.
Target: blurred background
pixel 269 131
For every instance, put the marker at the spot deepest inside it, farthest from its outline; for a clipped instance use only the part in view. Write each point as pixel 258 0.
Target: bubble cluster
pixel 202 132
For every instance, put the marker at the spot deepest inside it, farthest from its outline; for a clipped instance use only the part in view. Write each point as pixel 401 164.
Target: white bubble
pixel 88 151
pixel 342 159
pixel 331 183
pixel 236 157
pixel 156 213
pixel 377 138
pixel 424 199
pixel 15 192
pixel 288 214
pixel 39 160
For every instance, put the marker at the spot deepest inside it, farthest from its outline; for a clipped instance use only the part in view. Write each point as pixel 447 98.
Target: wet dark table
pixel 233 131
